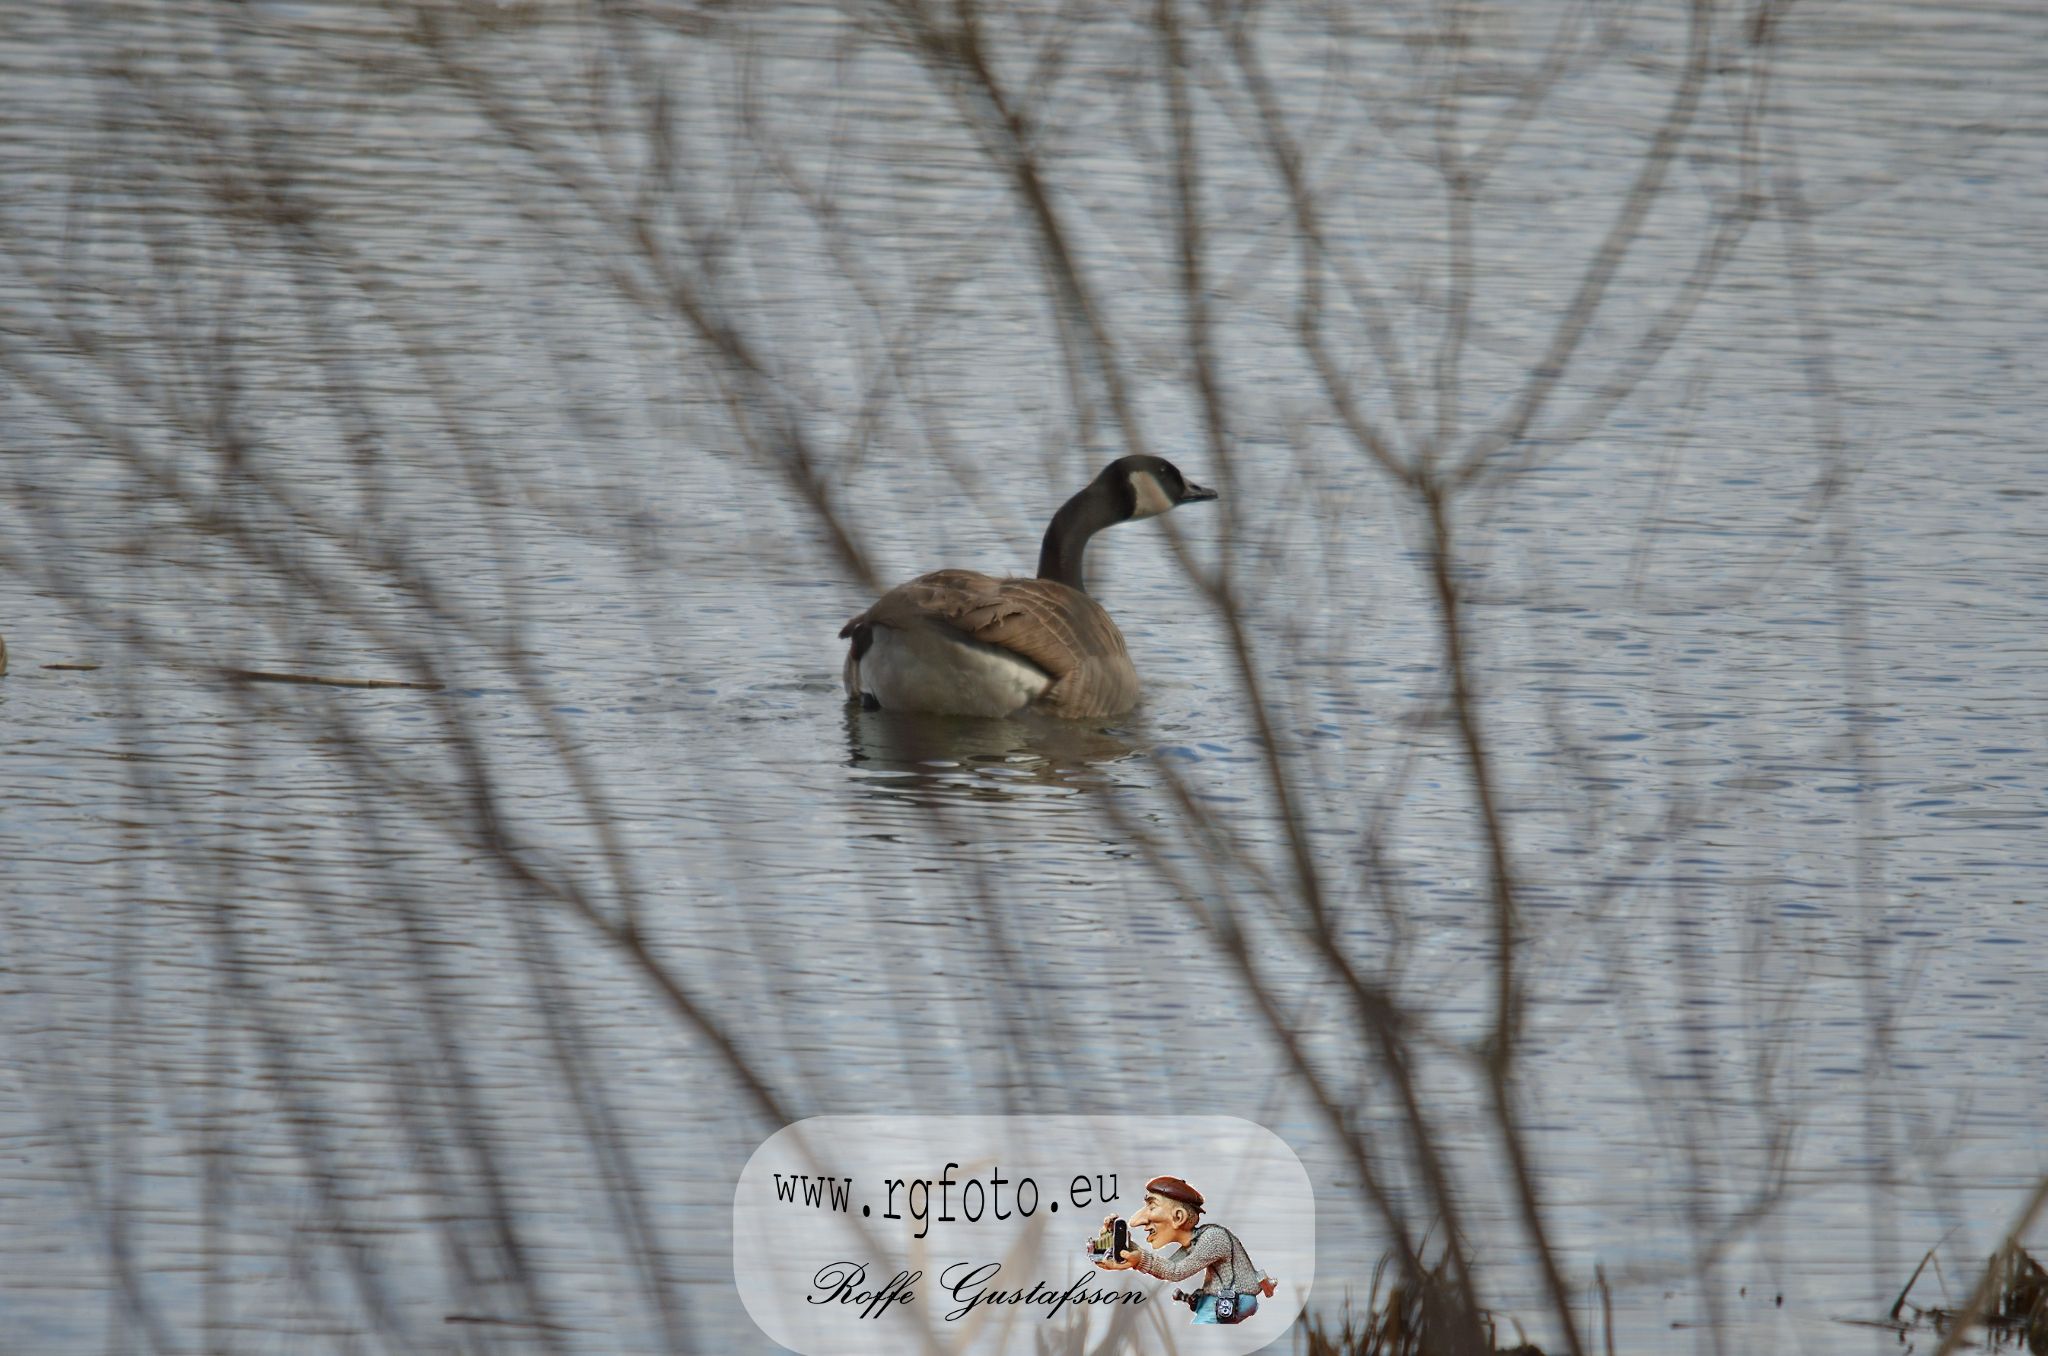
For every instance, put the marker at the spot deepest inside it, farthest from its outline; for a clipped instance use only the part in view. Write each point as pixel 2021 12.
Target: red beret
pixel 1173 1189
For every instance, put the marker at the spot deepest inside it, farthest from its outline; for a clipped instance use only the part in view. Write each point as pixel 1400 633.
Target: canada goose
pixel 964 644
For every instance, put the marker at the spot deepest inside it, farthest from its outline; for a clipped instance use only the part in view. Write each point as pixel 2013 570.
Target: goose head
pixel 1151 486
pixel 1127 490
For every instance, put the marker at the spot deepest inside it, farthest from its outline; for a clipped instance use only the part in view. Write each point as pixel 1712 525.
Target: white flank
pixel 924 669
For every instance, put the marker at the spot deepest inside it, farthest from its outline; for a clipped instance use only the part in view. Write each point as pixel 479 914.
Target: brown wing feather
pixel 1060 629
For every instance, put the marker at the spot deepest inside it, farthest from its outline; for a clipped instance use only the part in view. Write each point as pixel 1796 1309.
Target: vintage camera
pixel 1226 1308
pixel 1112 1243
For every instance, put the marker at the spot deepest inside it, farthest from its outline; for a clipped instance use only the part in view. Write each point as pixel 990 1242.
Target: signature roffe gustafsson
pixel 970 1283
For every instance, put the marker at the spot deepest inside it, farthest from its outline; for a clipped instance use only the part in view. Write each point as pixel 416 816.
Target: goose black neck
pixel 1080 518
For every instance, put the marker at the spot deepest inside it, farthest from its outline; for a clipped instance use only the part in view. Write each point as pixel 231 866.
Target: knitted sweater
pixel 1213 1250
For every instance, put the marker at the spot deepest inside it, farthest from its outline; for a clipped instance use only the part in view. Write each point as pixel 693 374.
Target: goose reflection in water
pixel 932 759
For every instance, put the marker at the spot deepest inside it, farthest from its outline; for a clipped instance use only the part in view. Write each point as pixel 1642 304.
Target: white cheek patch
pixel 1151 498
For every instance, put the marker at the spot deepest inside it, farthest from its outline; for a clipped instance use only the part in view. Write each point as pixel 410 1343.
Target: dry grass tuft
pixel 1411 1320
pixel 2016 1314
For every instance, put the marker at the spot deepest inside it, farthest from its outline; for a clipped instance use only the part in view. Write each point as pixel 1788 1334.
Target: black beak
pixel 1191 493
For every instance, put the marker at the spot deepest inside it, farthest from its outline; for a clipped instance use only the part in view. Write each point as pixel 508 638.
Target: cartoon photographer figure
pixel 1230 1287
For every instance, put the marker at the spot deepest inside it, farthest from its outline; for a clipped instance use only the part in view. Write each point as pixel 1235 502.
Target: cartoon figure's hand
pixel 1130 1260
pixel 1269 1285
